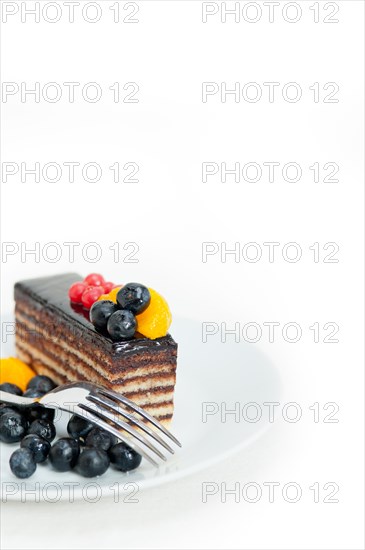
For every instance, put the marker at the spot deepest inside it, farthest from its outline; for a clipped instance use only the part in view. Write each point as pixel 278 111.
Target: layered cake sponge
pixel 56 337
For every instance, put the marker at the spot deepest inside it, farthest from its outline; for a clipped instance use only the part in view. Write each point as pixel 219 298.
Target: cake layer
pixel 161 389
pixel 148 384
pixel 159 403
pixel 57 339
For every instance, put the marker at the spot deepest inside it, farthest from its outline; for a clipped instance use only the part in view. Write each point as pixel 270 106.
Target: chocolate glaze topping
pixel 52 292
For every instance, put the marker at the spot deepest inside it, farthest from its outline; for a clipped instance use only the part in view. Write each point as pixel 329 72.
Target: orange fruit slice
pixel 155 321
pixel 14 371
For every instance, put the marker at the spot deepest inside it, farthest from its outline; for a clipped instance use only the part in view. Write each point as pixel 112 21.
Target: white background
pixel 170 212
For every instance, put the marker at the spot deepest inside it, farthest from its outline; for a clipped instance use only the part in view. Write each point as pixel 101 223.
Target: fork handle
pixel 12 399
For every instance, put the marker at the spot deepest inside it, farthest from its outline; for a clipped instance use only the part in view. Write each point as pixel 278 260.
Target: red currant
pixel 76 291
pixel 107 287
pixel 90 295
pixel 94 279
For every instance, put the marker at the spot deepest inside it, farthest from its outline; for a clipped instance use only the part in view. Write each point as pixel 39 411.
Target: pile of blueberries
pixel 89 449
pixel 118 320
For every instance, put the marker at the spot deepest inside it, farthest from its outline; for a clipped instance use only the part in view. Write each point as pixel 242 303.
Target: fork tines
pixel 118 415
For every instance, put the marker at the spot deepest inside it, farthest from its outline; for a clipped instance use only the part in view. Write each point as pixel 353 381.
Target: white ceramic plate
pixel 211 372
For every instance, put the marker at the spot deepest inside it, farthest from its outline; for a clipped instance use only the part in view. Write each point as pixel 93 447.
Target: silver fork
pixel 107 410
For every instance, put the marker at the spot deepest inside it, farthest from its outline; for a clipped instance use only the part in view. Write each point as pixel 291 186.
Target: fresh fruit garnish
pixel 155 321
pixel 112 295
pixel 90 295
pixel 14 371
pixel 22 463
pixel 13 427
pixel 33 392
pixel 100 312
pixel 108 286
pixel 39 446
pixel 94 279
pixel 93 462
pixel 43 428
pixel 81 293
pixel 152 311
pixel 11 388
pixel 124 458
pixel 101 439
pixel 134 297
pixel 64 453
pixel 39 412
pixel 105 315
pixel 76 291
pixel 78 427
pixel 41 383
pixel 122 325
pixel 4 408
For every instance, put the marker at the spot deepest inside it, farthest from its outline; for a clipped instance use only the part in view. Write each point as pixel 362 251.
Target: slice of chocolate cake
pixel 56 338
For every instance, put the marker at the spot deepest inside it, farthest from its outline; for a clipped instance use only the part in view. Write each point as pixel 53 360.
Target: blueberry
pixel 122 325
pixel 63 454
pixel 39 446
pixel 101 439
pixel 39 412
pixel 4 408
pixel 22 463
pixel 13 427
pixel 43 428
pixel 33 392
pixel 79 427
pixel 41 383
pixel 134 297
pixel 124 458
pixel 11 388
pixel 92 462
pixel 100 312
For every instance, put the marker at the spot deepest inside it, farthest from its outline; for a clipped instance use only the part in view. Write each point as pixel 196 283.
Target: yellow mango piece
pixel 14 371
pixel 155 321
